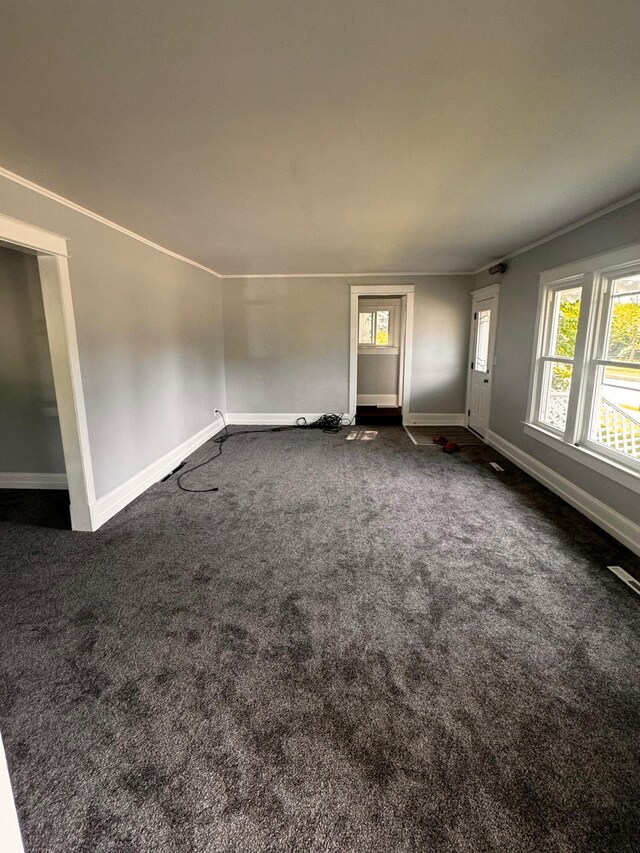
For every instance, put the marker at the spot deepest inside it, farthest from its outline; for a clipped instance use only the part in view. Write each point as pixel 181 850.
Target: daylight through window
pixel 376 327
pixel 586 381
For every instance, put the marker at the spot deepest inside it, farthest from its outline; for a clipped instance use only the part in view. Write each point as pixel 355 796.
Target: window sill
pixel 363 349
pixel 605 466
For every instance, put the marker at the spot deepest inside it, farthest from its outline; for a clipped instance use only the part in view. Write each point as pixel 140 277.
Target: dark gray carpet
pixel 353 646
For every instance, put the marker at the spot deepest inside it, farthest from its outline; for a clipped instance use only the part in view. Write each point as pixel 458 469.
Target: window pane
pixel 616 421
pixel 566 313
pixel 365 335
pixel 556 385
pixel 482 340
pixel 624 322
pixel 382 328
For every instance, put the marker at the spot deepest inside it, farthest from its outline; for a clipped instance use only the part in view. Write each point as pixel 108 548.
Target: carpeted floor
pixel 353 646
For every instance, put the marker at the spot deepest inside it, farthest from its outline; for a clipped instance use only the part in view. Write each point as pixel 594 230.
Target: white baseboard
pixel 26 480
pixel 106 507
pixel 9 827
pixel 617 525
pixel 434 419
pixel 377 399
pixel 271 418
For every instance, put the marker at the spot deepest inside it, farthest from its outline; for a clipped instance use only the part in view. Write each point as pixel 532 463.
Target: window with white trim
pixel 378 327
pixel 585 389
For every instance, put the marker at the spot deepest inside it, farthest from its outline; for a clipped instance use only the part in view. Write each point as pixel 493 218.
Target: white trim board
pixel 434 419
pixel 377 400
pixel 342 274
pixel 617 525
pixel 602 262
pixel 36 188
pixel 272 418
pixel 51 252
pixel 485 292
pixel 404 427
pixel 29 480
pixel 585 219
pixel 109 223
pixel 30 238
pixel 407 294
pixel 31 185
pixel 9 827
pixel 607 467
pixel 106 507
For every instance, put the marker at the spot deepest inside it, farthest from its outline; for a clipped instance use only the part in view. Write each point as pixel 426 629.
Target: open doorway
pixel 381 333
pixel 31 453
pixel 43 427
pixel 380 369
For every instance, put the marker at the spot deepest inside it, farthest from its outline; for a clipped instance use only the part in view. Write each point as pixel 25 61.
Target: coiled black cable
pixel 327 423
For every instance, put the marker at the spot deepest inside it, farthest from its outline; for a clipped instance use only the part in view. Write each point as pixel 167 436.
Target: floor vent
pixel 626 577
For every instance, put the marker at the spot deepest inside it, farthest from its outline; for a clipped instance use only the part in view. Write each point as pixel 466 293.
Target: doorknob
pixel 485 381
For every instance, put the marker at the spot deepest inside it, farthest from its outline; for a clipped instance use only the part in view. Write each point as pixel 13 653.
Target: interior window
pixel 376 328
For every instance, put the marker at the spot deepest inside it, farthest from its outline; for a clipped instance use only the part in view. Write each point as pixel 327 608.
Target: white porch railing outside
pixel 617 428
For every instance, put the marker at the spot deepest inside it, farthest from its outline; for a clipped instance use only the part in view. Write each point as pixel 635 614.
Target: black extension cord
pixel 327 423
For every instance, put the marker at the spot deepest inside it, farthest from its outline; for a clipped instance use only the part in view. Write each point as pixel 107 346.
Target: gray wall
pixel 29 427
pixel 378 374
pixel 515 341
pixel 287 343
pixel 441 344
pixel 149 335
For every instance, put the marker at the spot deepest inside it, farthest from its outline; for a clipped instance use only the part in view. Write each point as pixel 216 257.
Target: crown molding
pixel 602 212
pixel 345 275
pixel 43 191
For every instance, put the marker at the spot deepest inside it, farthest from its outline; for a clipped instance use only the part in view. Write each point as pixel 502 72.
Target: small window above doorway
pixel 378 328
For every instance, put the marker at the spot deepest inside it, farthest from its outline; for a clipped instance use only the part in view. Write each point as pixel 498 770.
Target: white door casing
pixel 406 291
pixel 482 358
pixel 51 252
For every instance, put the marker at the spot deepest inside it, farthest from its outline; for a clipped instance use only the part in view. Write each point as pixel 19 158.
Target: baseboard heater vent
pixel 626 577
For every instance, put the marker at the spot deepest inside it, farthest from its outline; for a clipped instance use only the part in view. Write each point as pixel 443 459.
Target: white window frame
pixel 594 276
pixel 393 347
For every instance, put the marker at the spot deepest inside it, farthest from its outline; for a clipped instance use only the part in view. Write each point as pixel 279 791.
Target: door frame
pixel 406 292
pixel 478 296
pixel 52 255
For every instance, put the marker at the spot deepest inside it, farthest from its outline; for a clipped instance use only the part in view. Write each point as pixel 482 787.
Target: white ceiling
pixel 326 136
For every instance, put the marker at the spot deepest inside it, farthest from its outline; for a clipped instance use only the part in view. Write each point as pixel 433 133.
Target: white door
pixel 483 337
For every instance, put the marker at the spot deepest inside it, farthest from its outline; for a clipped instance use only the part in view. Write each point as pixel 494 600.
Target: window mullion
pixel 557 359
pixel 599 308
pixel 579 384
pixel 628 365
